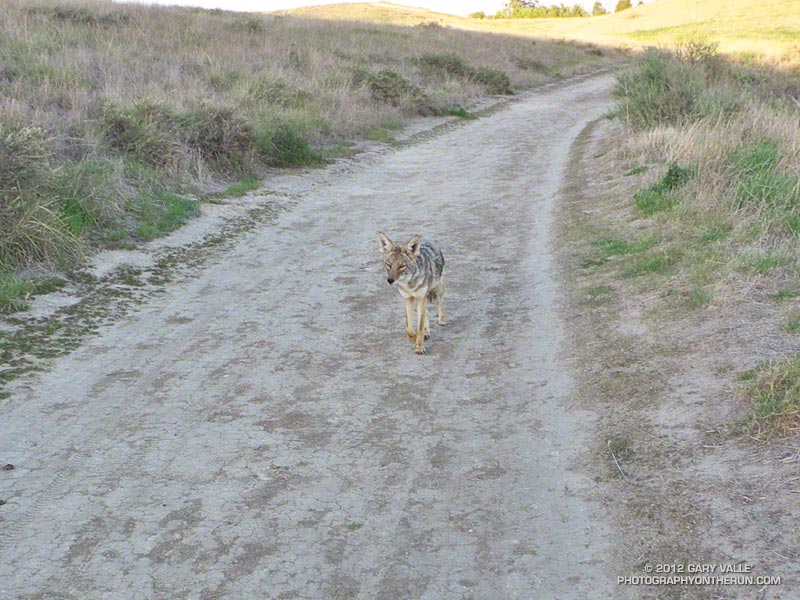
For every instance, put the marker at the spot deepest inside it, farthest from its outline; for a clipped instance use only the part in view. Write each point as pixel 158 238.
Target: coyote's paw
pixel 442 322
pixel 427 336
pixel 412 337
pixel 420 350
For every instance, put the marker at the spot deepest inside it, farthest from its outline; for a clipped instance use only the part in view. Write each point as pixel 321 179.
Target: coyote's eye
pixel 388 265
pixel 401 268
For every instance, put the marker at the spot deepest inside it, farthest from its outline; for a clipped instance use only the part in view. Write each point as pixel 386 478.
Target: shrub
pixel 147 131
pixel 391 88
pixel 80 15
pixel 273 91
pixel 219 137
pixel 30 225
pixel 449 63
pixel 660 91
pixel 695 51
pixel 494 80
pixel 284 146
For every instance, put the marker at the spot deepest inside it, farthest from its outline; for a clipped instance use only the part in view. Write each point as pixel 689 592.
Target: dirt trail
pixel 265 430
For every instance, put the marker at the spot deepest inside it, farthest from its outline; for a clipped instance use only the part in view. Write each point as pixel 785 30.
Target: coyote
pixel 417 267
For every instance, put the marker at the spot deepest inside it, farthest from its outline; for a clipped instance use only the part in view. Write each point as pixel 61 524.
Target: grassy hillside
pixel 375 12
pixel 111 114
pixel 746 28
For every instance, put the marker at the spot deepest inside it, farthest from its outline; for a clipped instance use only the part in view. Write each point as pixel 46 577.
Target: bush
pixel 80 15
pixel 449 63
pixel 31 228
pixel 494 80
pixel 391 88
pixel 147 131
pixel 660 91
pixel 286 147
pixel 220 138
pixel 273 91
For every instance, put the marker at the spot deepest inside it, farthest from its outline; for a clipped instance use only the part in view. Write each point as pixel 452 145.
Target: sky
pixel 455 7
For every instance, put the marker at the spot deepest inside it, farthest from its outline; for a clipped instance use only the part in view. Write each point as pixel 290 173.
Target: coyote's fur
pixel 418 268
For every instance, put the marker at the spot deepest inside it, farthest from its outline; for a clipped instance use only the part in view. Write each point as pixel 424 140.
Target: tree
pixel 532 9
pixel 598 9
pixel 623 5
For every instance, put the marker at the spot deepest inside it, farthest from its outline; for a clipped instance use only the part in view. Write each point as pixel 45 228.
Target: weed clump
pixel 494 80
pixel 80 15
pixel 220 138
pixel 31 228
pixel 389 87
pixel 146 131
pixel 773 391
pixel 161 212
pixel 658 197
pixel 672 88
pixel 759 178
pixel 286 147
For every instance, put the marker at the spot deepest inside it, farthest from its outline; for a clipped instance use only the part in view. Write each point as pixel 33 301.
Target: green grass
pixel 379 134
pixel 774 397
pixel 659 196
pixel 614 246
pixel 248 184
pixel 161 212
pixel 636 171
pixel 761 181
pixel 793 323
pixel 104 101
pixel 598 290
pixel 597 295
pixel 758 262
pixel 451 64
pixel 460 112
pixel 717 232
pixel 696 298
pixel 609 246
pixel 657 262
pixel 14 293
pixel 785 294
pixel 287 147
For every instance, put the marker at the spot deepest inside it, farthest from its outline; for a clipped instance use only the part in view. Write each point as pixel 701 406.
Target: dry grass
pixel 763 30
pixel 773 391
pixel 137 102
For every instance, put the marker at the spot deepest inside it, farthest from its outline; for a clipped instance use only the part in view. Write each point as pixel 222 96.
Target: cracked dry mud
pixel 265 430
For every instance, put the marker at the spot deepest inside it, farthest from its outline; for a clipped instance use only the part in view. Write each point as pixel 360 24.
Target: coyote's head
pixel 400 261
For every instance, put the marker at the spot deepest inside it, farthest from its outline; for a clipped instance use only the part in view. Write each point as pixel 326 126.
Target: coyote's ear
pixel 387 245
pixel 412 247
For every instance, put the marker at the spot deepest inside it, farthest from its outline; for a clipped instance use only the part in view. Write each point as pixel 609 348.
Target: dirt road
pixel 265 430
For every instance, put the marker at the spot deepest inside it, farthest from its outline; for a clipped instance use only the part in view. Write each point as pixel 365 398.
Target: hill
pixel 376 12
pixel 747 29
pixel 113 116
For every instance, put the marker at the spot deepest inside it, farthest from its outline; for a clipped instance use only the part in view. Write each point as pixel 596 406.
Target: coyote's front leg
pixel 422 313
pixel 410 319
